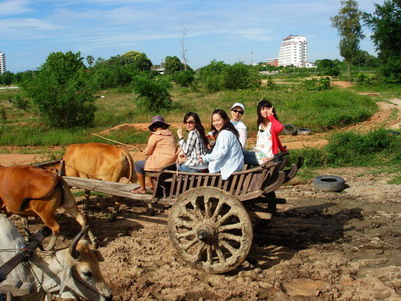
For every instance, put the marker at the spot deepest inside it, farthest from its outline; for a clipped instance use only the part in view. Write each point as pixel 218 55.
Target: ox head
pixel 82 275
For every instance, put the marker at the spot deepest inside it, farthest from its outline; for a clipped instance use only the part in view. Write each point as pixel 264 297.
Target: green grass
pixel 318 111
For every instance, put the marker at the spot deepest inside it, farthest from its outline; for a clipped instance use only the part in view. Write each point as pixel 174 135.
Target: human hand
pixel 270 111
pixel 179 132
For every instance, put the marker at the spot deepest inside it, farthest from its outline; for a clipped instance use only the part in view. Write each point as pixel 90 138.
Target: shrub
pixel 316 84
pixel 62 91
pixel 153 92
pixel 20 103
pixel 374 148
pixel 183 78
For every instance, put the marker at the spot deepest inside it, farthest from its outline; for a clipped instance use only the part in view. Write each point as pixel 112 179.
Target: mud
pixel 318 246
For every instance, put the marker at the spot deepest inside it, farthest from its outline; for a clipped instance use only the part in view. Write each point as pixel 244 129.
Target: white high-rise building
pixel 293 51
pixel 2 62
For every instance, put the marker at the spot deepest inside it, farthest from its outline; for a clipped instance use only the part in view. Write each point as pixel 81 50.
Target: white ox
pixel 68 273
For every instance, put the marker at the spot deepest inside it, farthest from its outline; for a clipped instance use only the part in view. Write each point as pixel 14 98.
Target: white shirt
pixel 241 128
pixel 226 156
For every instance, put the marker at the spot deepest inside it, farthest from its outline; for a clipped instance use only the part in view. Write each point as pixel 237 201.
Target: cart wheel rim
pixel 210 229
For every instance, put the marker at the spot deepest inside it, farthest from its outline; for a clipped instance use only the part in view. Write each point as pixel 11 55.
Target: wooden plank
pixel 232 186
pixel 179 182
pixel 112 188
pixel 226 184
pixel 173 183
pixel 191 182
pixel 219 182
pixel 246 183
pixel 184 186
pixel 206 180
pixel 239 186
pixel 214 178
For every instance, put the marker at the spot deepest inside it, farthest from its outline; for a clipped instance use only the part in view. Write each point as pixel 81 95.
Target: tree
pixel 349 29
pixel 90 59
pixel 385 23
pixel 62 91
pixel 183 50
pixel 137 60
pixel 172 64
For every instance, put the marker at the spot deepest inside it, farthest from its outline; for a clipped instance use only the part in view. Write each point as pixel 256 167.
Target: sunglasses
pixel 238 111
pixel 189 122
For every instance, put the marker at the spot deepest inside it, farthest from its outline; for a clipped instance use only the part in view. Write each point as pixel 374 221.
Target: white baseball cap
pixel 238 104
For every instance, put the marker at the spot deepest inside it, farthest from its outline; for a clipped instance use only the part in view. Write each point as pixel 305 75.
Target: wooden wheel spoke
pixel 198 251
pixel 236 226
pixel 190 214
pixel 223 218
pixel 186 234
pixel 207 208
pixel 217 209
pixel 182 223
pixel 229 247
pixel 190 244
pixel 230 237
pixel 209 254
pixel 220 254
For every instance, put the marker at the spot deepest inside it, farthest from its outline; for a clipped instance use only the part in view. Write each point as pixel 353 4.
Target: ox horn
pixel 73 247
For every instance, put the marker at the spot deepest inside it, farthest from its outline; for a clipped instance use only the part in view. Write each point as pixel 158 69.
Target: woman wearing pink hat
pixel 161 151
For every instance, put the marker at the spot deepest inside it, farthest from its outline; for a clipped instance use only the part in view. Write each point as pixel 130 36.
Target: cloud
pixel 14 7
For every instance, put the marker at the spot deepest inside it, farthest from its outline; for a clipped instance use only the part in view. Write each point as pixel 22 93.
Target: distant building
pixel 2 62
pixel 272 62
pixel 293 51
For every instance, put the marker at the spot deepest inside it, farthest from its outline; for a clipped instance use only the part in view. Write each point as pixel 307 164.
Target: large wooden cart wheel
pixel 210 229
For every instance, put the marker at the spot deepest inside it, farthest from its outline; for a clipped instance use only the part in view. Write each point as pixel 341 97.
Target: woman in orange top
pixel 161 151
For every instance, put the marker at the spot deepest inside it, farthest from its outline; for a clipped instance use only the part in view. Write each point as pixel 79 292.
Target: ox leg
pixel 87 196
pixel 54 226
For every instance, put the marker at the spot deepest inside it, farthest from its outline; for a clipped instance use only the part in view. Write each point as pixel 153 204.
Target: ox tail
pixel 130 165
pixel 26 200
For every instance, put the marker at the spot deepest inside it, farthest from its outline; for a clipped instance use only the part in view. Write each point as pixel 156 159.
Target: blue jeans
pixel 250 158
pixel 183 167
pixel 139 167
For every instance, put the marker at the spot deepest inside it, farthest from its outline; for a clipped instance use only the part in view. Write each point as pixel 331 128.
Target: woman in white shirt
pixel 237 111
pixel 226 156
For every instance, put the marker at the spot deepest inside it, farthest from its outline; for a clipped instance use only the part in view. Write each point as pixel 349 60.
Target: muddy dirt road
pixel 319 246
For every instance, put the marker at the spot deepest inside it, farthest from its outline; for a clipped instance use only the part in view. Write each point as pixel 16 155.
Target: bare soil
pixel 319 245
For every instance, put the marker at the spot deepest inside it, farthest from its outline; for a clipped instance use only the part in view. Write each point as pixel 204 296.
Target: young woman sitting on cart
pixel 267 143
pixel 194 146
pixel 161 151
pixel 226 156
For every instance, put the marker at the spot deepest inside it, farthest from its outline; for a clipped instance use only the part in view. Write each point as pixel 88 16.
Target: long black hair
pixel 227 124
pixel 198 126
pixel 264 103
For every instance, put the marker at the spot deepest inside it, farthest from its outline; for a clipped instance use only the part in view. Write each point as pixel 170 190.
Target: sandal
pixel 138 191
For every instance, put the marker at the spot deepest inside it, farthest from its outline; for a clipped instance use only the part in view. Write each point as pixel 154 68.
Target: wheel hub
pixel 205 234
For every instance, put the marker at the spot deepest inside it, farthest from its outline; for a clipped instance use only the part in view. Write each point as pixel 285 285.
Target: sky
pixel 248 31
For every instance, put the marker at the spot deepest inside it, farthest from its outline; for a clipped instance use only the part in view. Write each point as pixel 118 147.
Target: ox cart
pixel 210 219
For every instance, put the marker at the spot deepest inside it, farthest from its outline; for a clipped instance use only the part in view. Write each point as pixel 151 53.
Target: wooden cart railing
pixel 170 184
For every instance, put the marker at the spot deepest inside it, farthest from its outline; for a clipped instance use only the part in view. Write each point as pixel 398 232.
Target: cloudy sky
pixel 225 30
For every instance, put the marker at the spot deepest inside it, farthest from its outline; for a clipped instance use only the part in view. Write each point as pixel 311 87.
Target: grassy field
pixel 320 111
pixel 317 110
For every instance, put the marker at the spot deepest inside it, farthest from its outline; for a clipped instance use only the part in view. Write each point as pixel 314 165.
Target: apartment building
pixel 293 51
pixel 2 63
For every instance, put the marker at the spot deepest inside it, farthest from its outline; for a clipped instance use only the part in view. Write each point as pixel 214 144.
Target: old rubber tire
pixel 289 129
pixel 304 131
pixel 210 229
pixel 329 183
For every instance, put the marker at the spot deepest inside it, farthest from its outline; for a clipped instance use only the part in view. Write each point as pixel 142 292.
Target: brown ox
pixel 98 161
pixel 32 191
